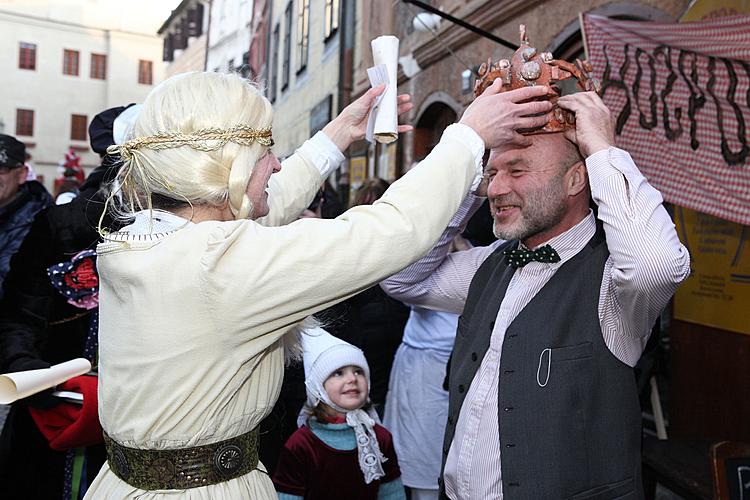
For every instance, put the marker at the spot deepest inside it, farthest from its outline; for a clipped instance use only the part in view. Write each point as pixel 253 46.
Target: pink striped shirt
pixel 646 264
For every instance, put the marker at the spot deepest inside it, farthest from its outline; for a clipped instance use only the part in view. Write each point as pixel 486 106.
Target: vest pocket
pixel 611 491
pixel 550 356
pixel 578 351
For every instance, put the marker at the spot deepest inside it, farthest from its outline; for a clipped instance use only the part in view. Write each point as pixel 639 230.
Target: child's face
pixel 347 387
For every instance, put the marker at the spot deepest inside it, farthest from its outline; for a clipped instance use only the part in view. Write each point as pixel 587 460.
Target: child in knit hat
pixel 340 450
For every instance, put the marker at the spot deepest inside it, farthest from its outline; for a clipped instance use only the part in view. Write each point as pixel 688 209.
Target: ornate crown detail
pixel 530 67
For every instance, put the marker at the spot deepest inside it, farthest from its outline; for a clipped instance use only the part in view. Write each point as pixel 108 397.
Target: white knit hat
pixel 323 354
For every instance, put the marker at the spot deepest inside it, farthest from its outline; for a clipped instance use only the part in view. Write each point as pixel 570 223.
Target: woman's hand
pixel 351 124
pixel 497 116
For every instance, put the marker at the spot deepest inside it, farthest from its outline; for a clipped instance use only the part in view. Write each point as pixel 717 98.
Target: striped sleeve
pixel 440 281
pixel 647 261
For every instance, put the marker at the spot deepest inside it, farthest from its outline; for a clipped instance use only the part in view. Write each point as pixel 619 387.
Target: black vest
pixel 568 410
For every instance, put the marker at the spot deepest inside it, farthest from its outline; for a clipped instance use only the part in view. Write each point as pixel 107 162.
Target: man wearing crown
pixel 555 314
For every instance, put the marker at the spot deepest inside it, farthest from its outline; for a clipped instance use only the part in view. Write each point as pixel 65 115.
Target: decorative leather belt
pixel 183 468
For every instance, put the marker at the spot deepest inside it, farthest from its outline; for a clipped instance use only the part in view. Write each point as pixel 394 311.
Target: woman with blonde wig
pixel 203 290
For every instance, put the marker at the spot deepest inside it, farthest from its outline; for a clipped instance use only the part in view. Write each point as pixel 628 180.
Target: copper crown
pixel 530 67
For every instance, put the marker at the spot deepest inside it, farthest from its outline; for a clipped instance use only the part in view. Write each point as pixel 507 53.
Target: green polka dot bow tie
pixel 520 256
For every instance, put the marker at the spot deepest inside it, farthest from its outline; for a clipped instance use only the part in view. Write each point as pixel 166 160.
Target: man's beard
pixel 542 209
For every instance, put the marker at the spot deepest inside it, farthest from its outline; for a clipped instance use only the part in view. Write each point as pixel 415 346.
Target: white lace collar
pixel 149 225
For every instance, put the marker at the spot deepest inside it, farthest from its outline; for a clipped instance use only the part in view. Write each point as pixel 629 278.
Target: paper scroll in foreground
pixel 19 385
pixel 385 51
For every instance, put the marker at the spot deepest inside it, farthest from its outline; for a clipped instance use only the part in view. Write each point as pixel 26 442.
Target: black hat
pixel 12 151
pixel 100 129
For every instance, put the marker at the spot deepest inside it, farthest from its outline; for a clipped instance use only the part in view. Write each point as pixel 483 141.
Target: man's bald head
pixel 557 150
pixel 554 149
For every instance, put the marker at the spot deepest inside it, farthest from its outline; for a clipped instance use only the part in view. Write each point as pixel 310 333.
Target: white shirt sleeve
pixel 647 261
pixel 323 153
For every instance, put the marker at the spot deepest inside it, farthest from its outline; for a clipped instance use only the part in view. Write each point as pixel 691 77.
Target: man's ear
pixel 577 178
pixel 23 174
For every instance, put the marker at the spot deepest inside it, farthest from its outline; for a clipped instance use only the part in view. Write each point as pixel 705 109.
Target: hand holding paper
pixel 385 52
pixel 19 385
pixel 351 125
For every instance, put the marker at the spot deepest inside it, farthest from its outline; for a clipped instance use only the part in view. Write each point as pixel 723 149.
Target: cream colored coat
pixel 191 321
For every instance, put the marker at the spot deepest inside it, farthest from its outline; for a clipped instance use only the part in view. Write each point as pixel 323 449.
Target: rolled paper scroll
pixel 385 51
pixel 19 385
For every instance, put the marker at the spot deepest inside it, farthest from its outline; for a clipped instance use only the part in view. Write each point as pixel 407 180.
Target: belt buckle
pixel 228 459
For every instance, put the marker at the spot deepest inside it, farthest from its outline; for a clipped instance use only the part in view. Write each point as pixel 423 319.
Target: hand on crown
pixel 528 67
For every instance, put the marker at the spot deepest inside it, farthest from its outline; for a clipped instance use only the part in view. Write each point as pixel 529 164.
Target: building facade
pixel 261 33
pixel 437 66
pixel 185 35
pixel 304 54
pixel 229 35
pixel 58 74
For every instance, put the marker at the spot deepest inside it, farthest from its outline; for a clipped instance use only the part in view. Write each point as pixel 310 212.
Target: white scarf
pixel 368 450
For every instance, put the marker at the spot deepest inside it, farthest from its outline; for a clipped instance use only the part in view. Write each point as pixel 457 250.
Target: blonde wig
pixel 221 126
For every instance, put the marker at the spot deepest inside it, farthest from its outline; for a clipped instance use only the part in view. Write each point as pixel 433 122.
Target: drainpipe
pixel 269 31
pixel 346 50
pixel 208 36
pixel 346 54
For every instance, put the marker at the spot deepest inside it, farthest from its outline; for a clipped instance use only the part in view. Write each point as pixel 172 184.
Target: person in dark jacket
pixel 39 328
pixel 20 200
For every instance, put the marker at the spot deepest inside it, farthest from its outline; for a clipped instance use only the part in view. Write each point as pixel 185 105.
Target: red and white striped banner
pixel 681 96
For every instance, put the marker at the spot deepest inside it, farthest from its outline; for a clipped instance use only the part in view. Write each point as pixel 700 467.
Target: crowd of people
pixel 252 340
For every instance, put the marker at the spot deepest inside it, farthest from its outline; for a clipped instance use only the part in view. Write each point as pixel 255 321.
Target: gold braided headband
pixel 239 134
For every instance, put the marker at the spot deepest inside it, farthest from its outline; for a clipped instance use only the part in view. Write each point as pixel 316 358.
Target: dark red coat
pixel 310 468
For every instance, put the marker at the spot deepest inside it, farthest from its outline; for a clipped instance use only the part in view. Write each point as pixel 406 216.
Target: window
pixel 287 46
pixel 180 39
pixel 303 33
pixel 332 17
pixel 26 55
pixel 24 122
pixel 274 63
pixel 168 52
pixel 98 66
pixel 195 21
pixel 145 72
pixel 70 62
pixel 78 127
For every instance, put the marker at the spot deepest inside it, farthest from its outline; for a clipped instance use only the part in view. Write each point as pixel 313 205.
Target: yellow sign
pixel 717 293
pixel 357 170
pixel 708 9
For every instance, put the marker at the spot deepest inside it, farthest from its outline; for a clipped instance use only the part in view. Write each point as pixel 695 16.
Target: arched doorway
pixel 430 127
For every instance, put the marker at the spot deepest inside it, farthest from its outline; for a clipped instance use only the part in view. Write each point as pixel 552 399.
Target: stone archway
pixel 432 121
